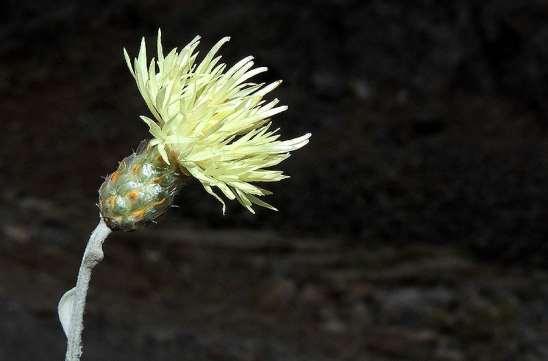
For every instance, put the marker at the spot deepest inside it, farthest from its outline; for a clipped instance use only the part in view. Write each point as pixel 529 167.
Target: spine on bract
pixel 140 190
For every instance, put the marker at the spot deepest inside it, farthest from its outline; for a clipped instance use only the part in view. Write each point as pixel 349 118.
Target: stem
pixel 92 256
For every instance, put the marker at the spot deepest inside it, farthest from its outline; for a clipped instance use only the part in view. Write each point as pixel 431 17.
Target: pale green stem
pixel 92 256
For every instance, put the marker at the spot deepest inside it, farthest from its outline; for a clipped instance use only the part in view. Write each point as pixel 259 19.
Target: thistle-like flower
pixel 210 122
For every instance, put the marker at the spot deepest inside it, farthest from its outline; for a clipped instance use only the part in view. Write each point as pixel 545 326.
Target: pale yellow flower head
pixel 212 120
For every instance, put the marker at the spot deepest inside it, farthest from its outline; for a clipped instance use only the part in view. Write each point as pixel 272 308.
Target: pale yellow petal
pixel 214 119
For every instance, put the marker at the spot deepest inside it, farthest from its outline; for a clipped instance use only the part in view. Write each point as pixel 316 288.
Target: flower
pixel 211 121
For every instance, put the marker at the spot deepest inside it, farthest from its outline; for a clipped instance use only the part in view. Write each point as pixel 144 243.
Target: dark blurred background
pixel 413 226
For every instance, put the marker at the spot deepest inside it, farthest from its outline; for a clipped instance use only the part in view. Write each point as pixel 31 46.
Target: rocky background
pixel 413 227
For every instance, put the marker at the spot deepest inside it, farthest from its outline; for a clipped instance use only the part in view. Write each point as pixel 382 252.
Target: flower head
pixel 211 121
